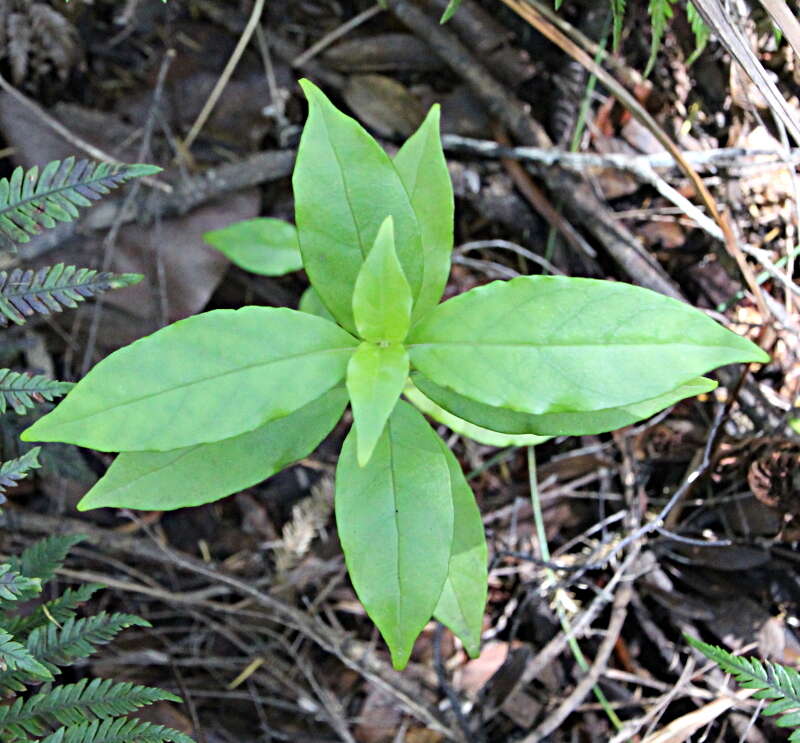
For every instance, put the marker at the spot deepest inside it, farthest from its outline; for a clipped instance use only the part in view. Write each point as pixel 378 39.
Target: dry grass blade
pixel 685 726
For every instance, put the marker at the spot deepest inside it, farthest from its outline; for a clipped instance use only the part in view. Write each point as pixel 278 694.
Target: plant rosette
pixel 220 401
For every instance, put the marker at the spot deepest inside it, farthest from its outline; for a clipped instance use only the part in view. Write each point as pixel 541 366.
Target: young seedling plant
pixel 218 402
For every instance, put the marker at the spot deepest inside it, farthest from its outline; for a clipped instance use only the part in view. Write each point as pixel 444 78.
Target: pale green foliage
pixel 34 646
pixel 775 682
pixel 198 409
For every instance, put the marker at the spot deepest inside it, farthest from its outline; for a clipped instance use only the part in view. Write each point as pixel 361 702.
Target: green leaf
pixel 517 425
pixel 450 10
pixel 311 303
pixel 345 185
pixel 264 246
pixel 481 434
pixel 423 170
pixel 395 522
pixel 463 597
pixel 16 657
pixel 376 376
pixel 552 344
pixel 382 297
pixel 162 481
pixel 203 379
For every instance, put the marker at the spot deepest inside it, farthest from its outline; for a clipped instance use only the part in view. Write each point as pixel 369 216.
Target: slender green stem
pixel 544 553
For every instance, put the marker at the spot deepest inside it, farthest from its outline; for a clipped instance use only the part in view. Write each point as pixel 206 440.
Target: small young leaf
pixel 423 170
pixel 481 434
pixel 552 344
pixel 395 522
pixel 518 425
pixel 382 297
pixel 345 185
pixel 264 246
pixel 203 379
pixel 463 597
pixel 376 376
pixel 162 481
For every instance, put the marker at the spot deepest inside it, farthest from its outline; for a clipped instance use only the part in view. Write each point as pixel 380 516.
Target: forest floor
pixel 255 624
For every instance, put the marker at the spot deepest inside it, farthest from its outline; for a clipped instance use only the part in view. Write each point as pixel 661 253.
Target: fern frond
pixel 52 288
pixel 12 471
pixel 15 587
pixel 117 730
pixel 59 610
pixel 75 704
pixel 43 558
pixel 661 13
pixel 701 32
pixel 772 681
pixel 62 646
pixel 16 657
pixel 30 200
pixel 22 391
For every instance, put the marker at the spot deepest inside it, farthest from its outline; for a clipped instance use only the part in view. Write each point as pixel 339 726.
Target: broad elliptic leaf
pixel 481 434
pixel 345 185
pixel 193 475
pixel 553 344
pixel 395 523
pixel 463 597
pixel 423 170
pixel 382 297
pixel 264 246
pixel 203 379
pixel 518 426
pixel 376 376
pixel 311 303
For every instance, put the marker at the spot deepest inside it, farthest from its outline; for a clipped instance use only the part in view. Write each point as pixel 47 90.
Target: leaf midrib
pixel 237 370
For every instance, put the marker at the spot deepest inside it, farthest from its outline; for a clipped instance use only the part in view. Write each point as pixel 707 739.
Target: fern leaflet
pixel 43 558
pixel 59 610
pixel 661 13
pixel 16 587
pixel 16 657
pixel 51 289
pixel 75 704
pixel 22 391
pixel 772 680
pixel 62 646
pixel 118 730
pixel 30 200
pixel 12 471
pixel 700 30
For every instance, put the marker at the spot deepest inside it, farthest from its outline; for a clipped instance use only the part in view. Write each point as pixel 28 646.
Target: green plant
pixel 36 645
pixel 31 201
pixel 771 680
pixel 222 400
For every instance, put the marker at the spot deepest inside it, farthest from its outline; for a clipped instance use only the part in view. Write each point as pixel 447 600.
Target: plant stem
pixel 560 598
